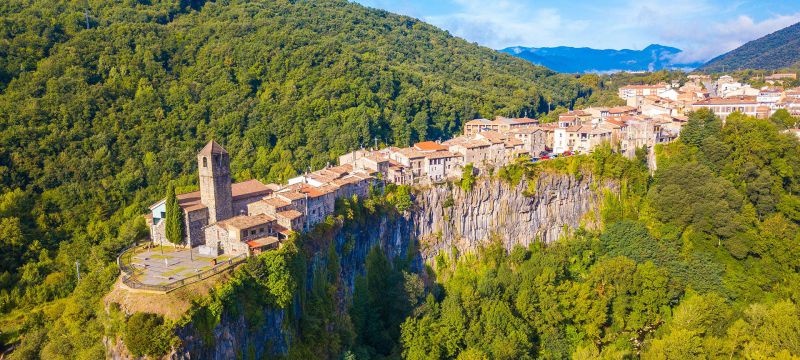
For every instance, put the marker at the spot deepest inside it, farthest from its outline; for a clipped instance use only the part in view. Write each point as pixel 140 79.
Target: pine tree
pixel 174 225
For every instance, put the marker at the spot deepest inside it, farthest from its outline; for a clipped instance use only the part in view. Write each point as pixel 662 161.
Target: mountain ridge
pixel 774 51
pixel 567 59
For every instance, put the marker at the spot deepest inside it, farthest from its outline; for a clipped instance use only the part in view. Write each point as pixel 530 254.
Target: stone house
pixel 442 164
pixel 534 139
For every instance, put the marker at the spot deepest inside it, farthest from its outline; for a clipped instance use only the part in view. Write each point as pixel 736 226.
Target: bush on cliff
pixel 468 177
pixel 147 335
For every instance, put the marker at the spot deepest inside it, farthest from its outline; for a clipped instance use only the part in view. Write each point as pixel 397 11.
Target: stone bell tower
pixel 213 164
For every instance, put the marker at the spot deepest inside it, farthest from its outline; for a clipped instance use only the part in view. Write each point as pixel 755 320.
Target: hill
pixel 778 50
pixel 102 104
pixel 566 59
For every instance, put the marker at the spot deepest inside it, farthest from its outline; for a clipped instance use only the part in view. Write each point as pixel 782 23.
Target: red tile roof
pixel 429 146
pixel 241 190
pixel 262 242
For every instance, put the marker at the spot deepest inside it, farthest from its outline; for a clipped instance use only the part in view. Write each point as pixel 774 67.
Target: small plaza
pixel 164 265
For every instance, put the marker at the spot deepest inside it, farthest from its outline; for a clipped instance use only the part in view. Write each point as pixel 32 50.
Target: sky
pixel 702 28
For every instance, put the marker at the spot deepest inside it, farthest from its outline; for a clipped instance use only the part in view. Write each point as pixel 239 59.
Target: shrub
pixel 468 177
pixel 146 334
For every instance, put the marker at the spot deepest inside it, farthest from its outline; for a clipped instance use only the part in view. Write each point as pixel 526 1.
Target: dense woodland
pixel 699 261
pixel 103 104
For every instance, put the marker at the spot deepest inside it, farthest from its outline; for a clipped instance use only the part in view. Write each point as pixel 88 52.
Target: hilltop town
pixel 722 96
pixel 249 217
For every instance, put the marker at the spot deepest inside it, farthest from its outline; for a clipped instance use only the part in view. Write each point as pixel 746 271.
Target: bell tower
pixel 213 164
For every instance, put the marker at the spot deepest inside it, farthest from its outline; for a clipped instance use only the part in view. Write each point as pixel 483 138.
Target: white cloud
pixel 506 23
pixel 703 41
pixel 702 28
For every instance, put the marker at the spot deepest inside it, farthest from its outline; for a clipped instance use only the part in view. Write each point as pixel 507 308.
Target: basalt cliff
pixel 443 217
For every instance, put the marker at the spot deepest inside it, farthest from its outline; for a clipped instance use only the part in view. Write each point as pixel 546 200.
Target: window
pixel 252 232
pixel 205 161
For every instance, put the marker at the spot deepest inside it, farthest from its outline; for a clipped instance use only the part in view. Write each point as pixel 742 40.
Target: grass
pixel 11 324
pixel 174 271
pixel 165 249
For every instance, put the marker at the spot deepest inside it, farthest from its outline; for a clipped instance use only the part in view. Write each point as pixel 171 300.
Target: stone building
pixel 217 199
pixel 250 217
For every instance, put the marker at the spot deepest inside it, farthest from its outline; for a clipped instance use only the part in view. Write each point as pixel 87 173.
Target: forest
pixel 700 262
pixel 104 104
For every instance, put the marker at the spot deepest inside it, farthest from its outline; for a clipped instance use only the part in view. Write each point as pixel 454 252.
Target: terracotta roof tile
pixel 441 155
pixel 290 214
pixel 249 188
pixel 262 242
pixel 429 146
pixel 276 202
pixel 291 195
pixel 242 222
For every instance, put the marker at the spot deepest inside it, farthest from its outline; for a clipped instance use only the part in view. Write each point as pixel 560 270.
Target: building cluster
pixel 249 217
pixel 494 143
pixel 723 97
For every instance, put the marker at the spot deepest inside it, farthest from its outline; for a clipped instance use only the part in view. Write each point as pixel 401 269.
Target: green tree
pixel 174 228
pixel 702 124
pixel 146 335
pixel 782 119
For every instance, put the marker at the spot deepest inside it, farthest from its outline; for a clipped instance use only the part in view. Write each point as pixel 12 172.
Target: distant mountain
pixel 780 49
pixel 583 60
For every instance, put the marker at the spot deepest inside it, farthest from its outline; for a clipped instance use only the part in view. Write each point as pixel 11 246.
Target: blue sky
pixel 702 28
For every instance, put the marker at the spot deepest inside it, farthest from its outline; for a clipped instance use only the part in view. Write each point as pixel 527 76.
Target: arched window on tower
pixel 205 161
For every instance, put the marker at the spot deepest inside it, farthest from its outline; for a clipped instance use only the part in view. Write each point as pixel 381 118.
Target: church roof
pixel 213 148
pixel 239 191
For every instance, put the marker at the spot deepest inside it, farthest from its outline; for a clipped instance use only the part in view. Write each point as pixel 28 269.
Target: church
pixel 249 217
pixel 216 217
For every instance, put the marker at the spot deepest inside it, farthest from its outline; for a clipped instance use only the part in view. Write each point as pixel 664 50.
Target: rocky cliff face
pixel 442 217
pixel 447 216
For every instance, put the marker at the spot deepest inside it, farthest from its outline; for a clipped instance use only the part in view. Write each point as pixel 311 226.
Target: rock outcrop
pixel 443 216
pixel 447 216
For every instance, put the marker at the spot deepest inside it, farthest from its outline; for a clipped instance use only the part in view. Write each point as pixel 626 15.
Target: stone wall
pixel 195 221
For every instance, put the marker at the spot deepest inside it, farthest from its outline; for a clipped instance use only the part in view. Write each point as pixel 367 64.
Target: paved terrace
pixel 165 264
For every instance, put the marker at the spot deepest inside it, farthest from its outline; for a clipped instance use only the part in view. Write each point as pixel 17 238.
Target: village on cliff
pixel 248 217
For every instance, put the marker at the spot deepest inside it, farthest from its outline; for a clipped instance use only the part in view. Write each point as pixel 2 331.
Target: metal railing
pixel 129 273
